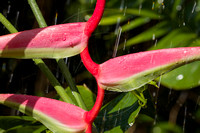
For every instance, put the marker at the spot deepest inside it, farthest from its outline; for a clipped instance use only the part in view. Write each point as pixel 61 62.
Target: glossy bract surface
pixel 58 41
pixel 132 71
pixel 57 116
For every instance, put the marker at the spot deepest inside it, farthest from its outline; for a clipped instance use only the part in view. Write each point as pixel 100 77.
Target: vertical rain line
pixel 184 120
pixel 117 42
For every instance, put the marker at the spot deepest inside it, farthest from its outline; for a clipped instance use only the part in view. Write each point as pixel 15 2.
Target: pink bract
pixel 56 115
pixel 129 72
pixel 56 41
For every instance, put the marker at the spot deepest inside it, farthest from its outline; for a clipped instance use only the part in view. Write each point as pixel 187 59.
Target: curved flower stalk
pixel 58 41
pixel 58 116
pixel 130 72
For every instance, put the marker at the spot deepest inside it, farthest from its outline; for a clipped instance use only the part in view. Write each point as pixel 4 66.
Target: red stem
pixel 92 114
pixel 95 18
pixel 91 66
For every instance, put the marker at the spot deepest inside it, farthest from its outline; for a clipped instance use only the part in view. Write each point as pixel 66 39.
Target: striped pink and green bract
pixel 56 41
pixel 56 115
pixel 130 72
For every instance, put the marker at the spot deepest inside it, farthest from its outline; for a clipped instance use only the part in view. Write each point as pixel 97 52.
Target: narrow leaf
pixel 150 34
pixel 110 20
pixel 177 38
pixel 135 23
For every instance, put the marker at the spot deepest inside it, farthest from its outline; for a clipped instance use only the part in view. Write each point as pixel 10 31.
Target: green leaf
pixel 166 127
pixel 110 20
pixel 119 114
pixel 185 77
pixel 24 129
pixel 135 23
pixel 7 122
pixel 135 12
pixel 177 38
pixel 87 95
pixel 157 31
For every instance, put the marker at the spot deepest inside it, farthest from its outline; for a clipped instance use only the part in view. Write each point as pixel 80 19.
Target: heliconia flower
pixel 58 116
pixel 56 41
pixel 130 72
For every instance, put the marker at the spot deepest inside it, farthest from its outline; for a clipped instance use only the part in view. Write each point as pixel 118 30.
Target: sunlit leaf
pixel 87 95
pixel 185 77
pixel 151 34
pixel 113 19
pixel 177 38
pixel 135 23
pixel 166 127
pixel 135 12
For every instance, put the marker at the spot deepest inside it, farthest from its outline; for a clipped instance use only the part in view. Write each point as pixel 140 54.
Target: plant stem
pixel 141 98
pixel 70 82
pixel 7 24
pixel 91 66
pixel 95 18
pixel 60 62
pixel 60 90
pixel 92 114
pixel 42 23
pixel 54 82
pixel 37 13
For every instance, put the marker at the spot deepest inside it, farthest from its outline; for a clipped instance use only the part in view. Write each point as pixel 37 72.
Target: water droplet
pixel 130 124
pixel 153 37
pixel 179 77
pixel 64 38
pixel 178 8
